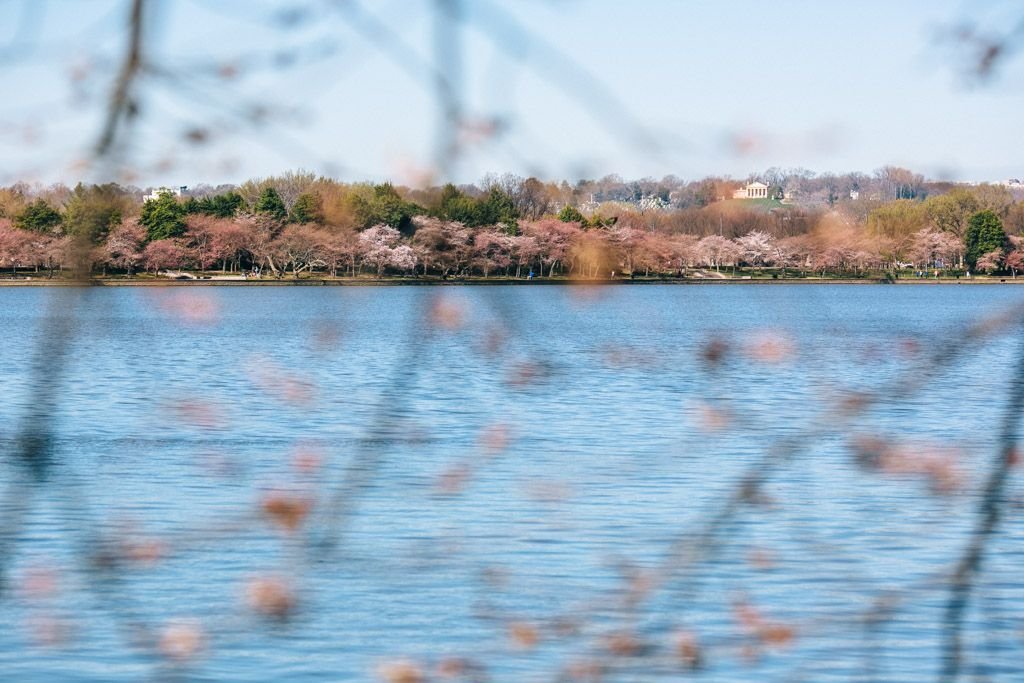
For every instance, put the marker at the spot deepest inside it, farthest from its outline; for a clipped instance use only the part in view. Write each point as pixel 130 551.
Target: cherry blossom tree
pixel 685 252
pixel 717 251
pixel 991 261
pixel 123 246
pixel 165 254
pixel 627 242
pixel 200 232
pixel 377 244
pixel 492 250
pixel 338 248
pixel 446 246
pixel 403 258
pixel 15 245
pixel 655 252
pixel 229 243
pixel 755 247
pixel 262 231
pixel 525 250
pixel 554 239
pixel 301 246
pixel 932 247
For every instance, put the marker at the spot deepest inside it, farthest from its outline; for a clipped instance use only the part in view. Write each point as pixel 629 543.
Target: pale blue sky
pixel 720 88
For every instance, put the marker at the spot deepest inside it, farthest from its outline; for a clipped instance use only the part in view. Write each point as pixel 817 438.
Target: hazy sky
pixel 557 89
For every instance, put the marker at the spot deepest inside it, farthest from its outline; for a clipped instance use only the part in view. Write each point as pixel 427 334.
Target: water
pixel 519 456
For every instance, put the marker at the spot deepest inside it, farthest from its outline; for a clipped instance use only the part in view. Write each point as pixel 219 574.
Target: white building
pixel 155 194
pixel 754 190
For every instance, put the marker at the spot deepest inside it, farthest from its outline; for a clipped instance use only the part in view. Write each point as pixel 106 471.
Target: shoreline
pixel 471 282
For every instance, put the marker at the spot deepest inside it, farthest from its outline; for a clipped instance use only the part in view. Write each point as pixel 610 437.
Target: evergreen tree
pixel 497 208
pixel 222 205
pixel 92 212
pixel 455 205
pixel 570 214
pixel 984 234
pixel 271 204
pixel 163 217
pixel 384 205
pixel 307 209
pixel 38 216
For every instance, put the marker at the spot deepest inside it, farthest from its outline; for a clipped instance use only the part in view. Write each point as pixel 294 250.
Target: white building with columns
pixel 754 190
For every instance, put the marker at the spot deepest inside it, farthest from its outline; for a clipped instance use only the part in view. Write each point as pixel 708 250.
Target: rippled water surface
pixel 513 477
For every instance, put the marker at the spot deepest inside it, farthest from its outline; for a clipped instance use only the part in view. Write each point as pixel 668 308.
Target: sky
pixel 236 89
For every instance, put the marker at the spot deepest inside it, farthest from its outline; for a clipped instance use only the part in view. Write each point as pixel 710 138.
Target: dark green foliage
pixel 92 212
pixel 455 205
pixel 385 205
pixel 221 205
pixel 570 214
pixel 163 217
pixel 307 209
pixel 38 217
pixel 599 221
pixel 270 203
pixel 984 234
pixel 495 208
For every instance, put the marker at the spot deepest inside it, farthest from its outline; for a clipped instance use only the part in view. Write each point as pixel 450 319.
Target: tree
pixel 756 247
pixel 570 214
pixel 382 205
pixel 933 248
pixel 524 251
pixel 302 247
pixel 269 203
pixel 378 244
pixel 15 245
pixel 223 205
pixel 261 233
pixel 455 205
pixel 123 246
pixel 288 186
pixel 984 235
pixel 899 219
pixel 1014 221
pixel 92 212
pixel 163 217
pixel 996 198
pixel 991 261
pixel 900 183
pixel 165 254
pixel 497 208
pixel 951 211
pixel 554 240
pixel 529 196
pixel 12 201
pixel 1015 259
pixel 338 248
pixel 229 242
pixel 307 209
pixel 445 246
pixel 403 258
pixel 39 217
pixel 492 251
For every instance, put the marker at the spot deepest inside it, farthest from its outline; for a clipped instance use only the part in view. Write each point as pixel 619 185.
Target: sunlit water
pixel 181 409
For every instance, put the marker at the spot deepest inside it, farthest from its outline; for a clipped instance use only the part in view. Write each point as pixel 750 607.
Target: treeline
pixel 510 226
